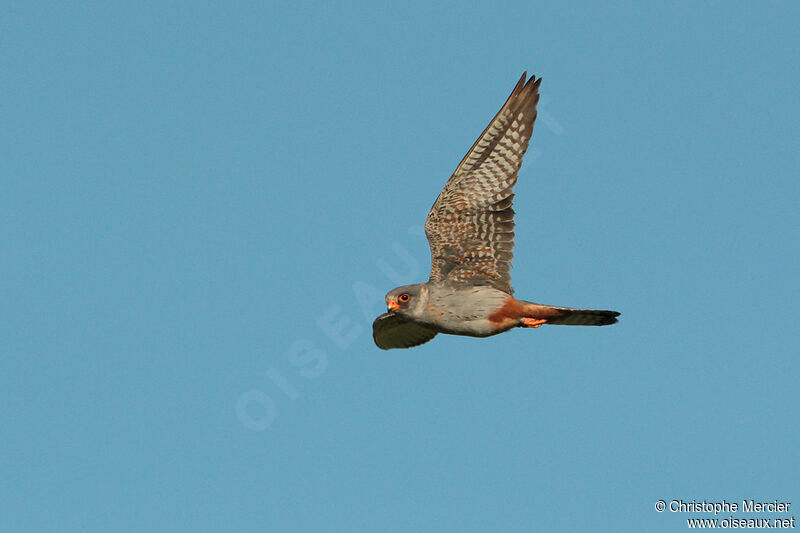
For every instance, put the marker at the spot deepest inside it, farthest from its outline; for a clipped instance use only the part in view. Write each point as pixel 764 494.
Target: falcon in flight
pixel 470 229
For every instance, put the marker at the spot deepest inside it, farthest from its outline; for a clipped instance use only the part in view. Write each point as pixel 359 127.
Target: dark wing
pixel 470 227
pixel 392 331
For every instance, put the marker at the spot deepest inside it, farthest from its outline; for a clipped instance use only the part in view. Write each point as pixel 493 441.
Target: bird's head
pixel 406 300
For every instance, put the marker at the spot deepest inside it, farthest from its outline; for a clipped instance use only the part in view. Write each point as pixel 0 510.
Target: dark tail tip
pixel 585 317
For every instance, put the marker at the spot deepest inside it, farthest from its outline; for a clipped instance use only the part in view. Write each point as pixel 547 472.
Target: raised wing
pixel 470 227
pixel 393 331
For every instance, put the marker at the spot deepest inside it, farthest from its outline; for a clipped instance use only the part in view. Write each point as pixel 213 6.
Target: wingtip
pixel 526 85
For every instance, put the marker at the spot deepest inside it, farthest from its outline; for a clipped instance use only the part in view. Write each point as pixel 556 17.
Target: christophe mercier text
pixel 747 506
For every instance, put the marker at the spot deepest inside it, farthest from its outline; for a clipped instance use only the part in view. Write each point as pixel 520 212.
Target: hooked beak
pixel 392 306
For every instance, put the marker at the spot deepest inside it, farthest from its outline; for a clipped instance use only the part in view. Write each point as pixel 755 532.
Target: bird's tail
pixel 567 316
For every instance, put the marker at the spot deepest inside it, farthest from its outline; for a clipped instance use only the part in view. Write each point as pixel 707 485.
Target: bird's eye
pixel 403 298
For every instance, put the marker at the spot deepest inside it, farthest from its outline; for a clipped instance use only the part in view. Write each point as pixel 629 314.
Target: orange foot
pixel 533 322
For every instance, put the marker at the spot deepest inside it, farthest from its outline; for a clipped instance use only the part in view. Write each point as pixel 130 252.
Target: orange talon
pixel 533 322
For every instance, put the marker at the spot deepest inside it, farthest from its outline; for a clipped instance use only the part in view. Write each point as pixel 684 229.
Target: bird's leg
pixel 533 322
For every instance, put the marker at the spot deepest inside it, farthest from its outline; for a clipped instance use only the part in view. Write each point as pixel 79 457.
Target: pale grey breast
pixel 462 310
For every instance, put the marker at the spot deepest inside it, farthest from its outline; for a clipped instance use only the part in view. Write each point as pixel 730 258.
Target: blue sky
pixel 202 205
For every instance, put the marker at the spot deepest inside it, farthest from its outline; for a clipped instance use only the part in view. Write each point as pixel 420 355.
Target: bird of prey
pixel 470 229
